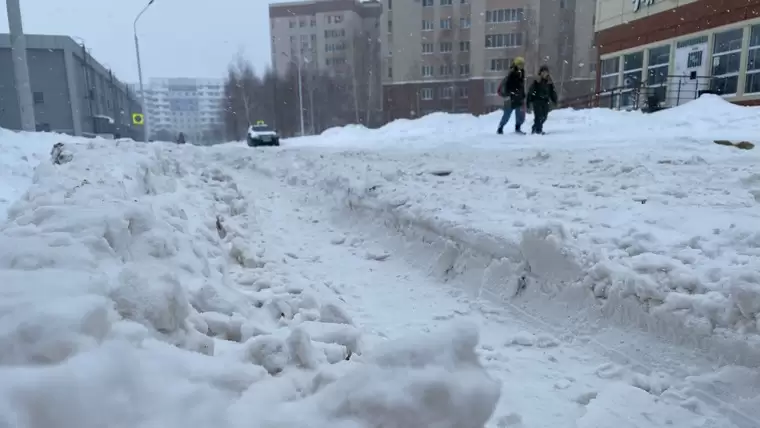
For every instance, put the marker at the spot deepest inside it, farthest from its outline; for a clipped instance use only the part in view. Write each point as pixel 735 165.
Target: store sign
pixel 638 3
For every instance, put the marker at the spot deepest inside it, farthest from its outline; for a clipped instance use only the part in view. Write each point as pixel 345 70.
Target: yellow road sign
pixel 138 119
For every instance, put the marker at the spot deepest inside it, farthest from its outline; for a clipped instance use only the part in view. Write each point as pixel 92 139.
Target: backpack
pixel 502 89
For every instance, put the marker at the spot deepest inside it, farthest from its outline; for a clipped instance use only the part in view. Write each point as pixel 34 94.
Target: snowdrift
pixel 643 220
pixel 137 292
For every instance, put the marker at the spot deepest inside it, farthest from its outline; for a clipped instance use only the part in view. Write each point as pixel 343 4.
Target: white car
pixel 262 134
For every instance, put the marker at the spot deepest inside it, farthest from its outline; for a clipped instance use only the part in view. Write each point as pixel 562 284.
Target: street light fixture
pixel 139 70
pixel 300 89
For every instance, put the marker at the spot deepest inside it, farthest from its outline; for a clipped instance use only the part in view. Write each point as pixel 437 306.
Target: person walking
pixel 540 94
pixel 512 89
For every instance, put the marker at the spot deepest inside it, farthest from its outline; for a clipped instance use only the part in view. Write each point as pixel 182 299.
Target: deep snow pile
pixel 19 155
pixel 637 217
pixel 707 117
pixel 137 291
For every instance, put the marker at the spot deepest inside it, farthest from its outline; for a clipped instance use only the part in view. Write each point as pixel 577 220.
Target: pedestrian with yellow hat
pixel 512 89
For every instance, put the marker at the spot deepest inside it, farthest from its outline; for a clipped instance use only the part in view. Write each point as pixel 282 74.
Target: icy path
pixel 550 377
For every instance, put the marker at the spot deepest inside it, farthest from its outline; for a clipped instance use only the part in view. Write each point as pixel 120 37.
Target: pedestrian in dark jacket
pixel 512 89
pixel 181 138
pixel 540 94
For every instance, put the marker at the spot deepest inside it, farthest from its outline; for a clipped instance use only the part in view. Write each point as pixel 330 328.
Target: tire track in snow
pixel 510 313
pixel 645 364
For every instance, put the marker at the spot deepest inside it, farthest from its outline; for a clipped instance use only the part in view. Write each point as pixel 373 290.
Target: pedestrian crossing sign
pixel 138 119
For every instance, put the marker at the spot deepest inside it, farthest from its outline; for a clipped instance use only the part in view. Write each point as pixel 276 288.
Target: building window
pixel 511 40
pixel 426 94
pixel 427 71
pixel 492 87
pixel 390 72
pixel 292 24
pixel 446 24
pixel 610 72
pixel 752 83
pixel 313 22
pixel 633 67
pixel 390 4
pixel 463 91
pixel 447 69
pixel 446 47
pixel 504 15
pixel 427 25
pixel 464 69
pixel 727 52
pixel 390 26
pixel 445 2
pixel 447 92
pixel 427 48
pixel 500 64
pixel 658 66
pixel 427 3
pixel 465 22
pixel 38 98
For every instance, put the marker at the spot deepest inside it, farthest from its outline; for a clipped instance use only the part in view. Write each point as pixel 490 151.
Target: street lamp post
pixel 300 89
pixel 139 71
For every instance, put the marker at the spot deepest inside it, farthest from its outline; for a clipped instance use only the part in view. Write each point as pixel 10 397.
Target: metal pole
pixel 20 66
pixel 139 71
pixel 300 94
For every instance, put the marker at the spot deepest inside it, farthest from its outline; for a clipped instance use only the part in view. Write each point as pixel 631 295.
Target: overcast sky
pixel 178 38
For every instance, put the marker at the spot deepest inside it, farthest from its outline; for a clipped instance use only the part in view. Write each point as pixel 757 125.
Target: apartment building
pixel 334 37
pixel 188 105
pixel 450 55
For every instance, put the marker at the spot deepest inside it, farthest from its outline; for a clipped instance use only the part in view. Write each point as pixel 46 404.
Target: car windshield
pixel 262 128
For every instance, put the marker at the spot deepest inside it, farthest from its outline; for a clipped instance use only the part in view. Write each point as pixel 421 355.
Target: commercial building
pixel 188 105
pixel 676 49
pixel 450 55
pixel 72 92
pixel 331 37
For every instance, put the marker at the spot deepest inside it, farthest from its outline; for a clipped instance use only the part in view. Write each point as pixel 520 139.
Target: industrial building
pixel 676 49
pixel 72 92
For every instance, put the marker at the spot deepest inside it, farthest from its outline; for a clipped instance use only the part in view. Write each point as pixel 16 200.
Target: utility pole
pixel 20 66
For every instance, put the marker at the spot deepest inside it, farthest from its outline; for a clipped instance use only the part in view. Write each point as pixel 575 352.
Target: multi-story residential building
pixel 188 105
pixel 450 55
pixel 333 37
pixel 72 92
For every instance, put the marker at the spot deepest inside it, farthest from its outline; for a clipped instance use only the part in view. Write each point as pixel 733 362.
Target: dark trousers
pixel 540 114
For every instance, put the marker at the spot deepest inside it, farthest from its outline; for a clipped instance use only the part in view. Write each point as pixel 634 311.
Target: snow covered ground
pixel 603 275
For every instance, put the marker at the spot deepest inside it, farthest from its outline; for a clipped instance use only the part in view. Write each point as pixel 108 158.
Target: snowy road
pixel 611 270
pixel 552 375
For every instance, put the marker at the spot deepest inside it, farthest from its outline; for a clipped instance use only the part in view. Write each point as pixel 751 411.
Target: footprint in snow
pixel 377 255
pixel 528 339
pixel 338 240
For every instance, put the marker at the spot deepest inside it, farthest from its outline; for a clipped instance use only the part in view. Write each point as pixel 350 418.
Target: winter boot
pixel 500 131
pixel 518 131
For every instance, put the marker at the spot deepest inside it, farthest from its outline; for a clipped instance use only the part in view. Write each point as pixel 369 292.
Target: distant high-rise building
pixel 450 55
pixel 324 34
pixel 332 37
pixel 191 106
